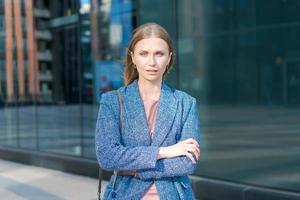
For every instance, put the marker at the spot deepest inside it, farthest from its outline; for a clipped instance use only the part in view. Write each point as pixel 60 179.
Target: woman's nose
pixel 151 60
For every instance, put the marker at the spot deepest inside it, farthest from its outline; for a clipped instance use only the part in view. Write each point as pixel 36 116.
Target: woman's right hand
pixel 189 148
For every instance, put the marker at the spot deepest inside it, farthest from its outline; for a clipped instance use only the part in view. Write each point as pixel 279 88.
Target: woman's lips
pixel 151 70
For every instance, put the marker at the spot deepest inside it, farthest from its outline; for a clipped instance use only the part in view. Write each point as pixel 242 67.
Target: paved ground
pixel 20 182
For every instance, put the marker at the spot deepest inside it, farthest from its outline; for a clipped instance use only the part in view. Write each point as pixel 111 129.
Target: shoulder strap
pixel 121 124
pixel 99 184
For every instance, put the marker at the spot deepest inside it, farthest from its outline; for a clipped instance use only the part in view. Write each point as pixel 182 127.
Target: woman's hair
pixel 145 31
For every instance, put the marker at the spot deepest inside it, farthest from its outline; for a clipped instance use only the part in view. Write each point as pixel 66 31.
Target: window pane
pixel 246 57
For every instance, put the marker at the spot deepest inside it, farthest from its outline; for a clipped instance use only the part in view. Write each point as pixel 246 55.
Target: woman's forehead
pixel 152 43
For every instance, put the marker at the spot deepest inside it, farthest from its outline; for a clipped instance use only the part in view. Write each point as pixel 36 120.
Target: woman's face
pixel 151 56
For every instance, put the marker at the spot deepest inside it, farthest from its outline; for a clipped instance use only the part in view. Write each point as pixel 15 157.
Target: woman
pixel 150 139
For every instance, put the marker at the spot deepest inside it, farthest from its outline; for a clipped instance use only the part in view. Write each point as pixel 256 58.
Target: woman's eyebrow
pixel 153 51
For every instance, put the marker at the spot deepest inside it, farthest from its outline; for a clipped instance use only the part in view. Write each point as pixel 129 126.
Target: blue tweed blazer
pixel 131 149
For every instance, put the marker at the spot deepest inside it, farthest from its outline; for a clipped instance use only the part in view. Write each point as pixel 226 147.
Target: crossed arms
pixel 148 161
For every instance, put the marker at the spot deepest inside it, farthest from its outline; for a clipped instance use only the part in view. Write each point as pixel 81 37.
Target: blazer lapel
pixel 167 108
pixel 136 116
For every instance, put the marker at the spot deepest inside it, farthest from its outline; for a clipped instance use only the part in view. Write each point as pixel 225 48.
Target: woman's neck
pixel 149 90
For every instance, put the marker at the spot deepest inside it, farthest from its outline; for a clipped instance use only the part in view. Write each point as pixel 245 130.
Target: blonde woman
pixel 147 132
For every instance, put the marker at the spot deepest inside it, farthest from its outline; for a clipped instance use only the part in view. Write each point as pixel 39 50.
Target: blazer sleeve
pixel 182 165
pixel 111 154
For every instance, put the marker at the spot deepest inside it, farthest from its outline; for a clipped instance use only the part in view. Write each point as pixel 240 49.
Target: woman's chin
pixel 154 78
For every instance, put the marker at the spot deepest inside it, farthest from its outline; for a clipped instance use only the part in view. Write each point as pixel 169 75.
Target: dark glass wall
pixel 253 92
pixel 166 15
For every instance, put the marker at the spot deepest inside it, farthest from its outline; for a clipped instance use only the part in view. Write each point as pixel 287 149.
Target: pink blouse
pixel 151 111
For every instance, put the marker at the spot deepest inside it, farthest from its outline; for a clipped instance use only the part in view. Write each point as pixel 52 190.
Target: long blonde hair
pixel 145 31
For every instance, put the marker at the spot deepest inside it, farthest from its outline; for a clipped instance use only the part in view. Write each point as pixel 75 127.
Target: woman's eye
pixel 159 54
pixel 143 53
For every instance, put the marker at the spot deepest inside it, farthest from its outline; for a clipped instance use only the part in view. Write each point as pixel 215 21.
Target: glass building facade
pixel 239 58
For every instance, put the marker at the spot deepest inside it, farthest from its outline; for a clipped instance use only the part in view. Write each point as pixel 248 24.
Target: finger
pixel 198 152
pixel 190 156
pixel 192 148
pixel 194 152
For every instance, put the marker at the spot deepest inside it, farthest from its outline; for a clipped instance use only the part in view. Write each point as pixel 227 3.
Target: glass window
pixel 240 59
pixel 74 57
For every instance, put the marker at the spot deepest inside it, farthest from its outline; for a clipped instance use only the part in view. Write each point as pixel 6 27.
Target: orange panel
pixel 31 49
pixel 94 30
pixel 9 50
pixel 19 41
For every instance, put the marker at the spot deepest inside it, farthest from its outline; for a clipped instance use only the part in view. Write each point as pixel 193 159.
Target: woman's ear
pixel 130 53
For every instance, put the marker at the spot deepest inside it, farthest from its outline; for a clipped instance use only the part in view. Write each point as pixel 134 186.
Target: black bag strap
pixel 121 125
pixel 99 184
